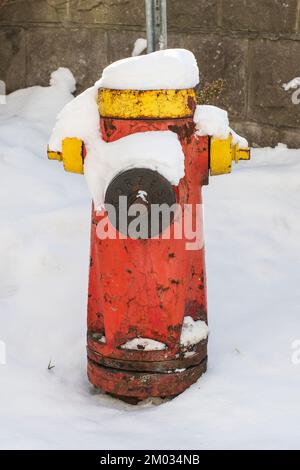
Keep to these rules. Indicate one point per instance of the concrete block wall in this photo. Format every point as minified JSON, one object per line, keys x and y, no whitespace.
{"x":254,"y":45}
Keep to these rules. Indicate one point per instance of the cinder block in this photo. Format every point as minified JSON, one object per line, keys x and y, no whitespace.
{"x":12,"y":58}
{"x":121,"y":43}
{"x":82,"y":50}
{"x":199,"y":14}
{"x":116,"y":12}
{"x":33,"y":11}
{"x":257,"y":134}
{"x":111,"y":12}
{"x":261,"y":135}
{"x":220,"y":57}
{"x":271,"y":64}
{"x":273,"y":16}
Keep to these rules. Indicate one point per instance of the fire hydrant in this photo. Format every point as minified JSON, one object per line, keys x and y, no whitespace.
{"x":146,"y":295}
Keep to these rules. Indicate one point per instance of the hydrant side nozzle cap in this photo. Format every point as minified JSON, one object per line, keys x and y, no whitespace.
{"x":71,"y":155}
{"x":223,"y":152}
{"x":220,"y":156}
{"x":72,"y":150}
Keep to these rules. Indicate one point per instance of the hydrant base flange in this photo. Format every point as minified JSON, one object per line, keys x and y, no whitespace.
{"x":145,"y":364}
{"x":141,"y":385}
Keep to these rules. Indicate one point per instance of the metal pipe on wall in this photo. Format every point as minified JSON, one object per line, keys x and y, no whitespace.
{"x":156,"y":24}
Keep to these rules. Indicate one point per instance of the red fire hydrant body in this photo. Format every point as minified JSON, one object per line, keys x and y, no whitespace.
{"x":145,"y":288}
{"x":147,"y":307}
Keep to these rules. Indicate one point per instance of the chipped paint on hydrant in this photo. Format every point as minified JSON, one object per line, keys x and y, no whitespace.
{"x":145,"y":294}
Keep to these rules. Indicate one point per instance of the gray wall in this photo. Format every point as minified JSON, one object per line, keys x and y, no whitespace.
{"x":254,"y":45}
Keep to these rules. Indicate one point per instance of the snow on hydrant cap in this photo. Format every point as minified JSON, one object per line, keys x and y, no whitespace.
{"x":166,"y":69}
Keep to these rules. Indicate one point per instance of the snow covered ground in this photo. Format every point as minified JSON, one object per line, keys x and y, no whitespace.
{"x":249,"y":397}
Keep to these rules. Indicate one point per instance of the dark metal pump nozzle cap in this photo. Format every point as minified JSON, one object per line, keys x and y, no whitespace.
{"x":135,"y":196}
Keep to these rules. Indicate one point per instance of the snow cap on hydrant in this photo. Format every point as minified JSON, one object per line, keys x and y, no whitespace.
{"x":138,"y":134}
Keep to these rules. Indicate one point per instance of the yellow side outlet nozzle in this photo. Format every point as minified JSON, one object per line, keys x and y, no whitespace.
{"x":223,"y":152}
{"x":71,"y":155}
{"x":54,"y":155}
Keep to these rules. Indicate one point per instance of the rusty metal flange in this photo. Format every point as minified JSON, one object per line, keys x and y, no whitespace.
{"x":141,"y":385}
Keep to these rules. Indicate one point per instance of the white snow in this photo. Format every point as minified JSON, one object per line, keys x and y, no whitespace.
{"x":189,"y":353}
{"x":139,"y":46}
{"x":142,"y":195}
{"x":166,"y":69}
{"x":39,"y":103}
{"x":175,"y":370}
{"x":80,"y":118}
{"x":293,"y":84}
{"x":63,"y":77}
{"x":99,"y":337}
{"x":193,"y":332}
{"x":213,"y":121}
{"x":106,"y":160}
{"x":252,"y":231}
{"x":146,"y":344}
